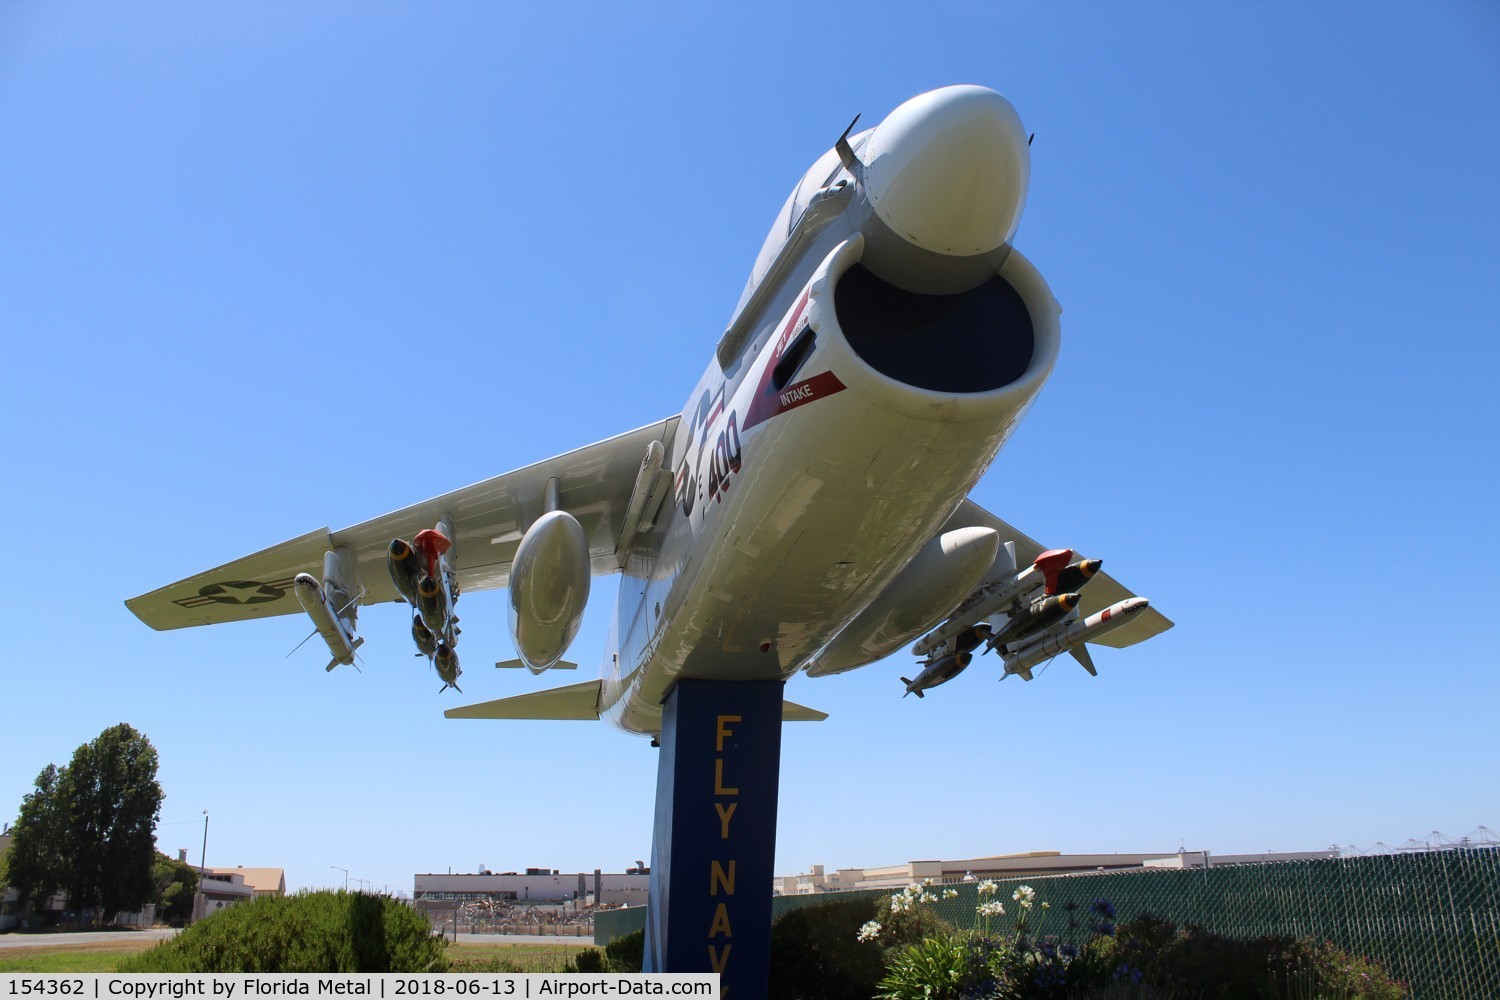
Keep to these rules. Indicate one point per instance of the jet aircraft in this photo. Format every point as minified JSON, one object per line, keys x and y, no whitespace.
{"x":807,"y":510}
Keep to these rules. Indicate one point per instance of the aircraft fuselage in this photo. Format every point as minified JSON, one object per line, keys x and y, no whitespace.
{"x":874,"y":386}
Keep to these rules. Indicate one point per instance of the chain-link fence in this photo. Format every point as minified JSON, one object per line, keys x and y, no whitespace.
{"x":1431,"y":919}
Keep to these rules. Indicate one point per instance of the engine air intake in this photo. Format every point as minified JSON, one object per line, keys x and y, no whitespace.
{"x":974,"y":341}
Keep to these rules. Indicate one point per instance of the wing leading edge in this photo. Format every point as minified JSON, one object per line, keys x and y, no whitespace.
{"x":488,"y":519}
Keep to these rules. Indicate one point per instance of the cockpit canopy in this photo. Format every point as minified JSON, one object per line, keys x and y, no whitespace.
{"x":819,"y":175}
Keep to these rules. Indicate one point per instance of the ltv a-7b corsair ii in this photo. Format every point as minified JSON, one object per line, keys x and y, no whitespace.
{"x":807,"y":510}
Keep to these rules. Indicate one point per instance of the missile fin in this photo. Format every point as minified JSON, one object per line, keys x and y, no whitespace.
{"x":1007,"y":563}
{"x":1080,"y":653}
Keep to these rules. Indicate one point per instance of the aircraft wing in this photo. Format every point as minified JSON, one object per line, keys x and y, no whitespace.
{"x":1102,"y":591}
{"x":488,"y":520}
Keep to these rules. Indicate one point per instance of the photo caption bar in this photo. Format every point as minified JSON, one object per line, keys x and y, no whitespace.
{"x":380,"y":986}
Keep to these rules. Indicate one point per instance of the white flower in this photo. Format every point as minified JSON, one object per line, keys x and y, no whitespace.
{"x":870,"y":931}
{"x":1024,"y":895}
{"x":994,"y":908}
{"x":952,"y":893}
{"x":927,"y":881}
{"x":988,"y":887}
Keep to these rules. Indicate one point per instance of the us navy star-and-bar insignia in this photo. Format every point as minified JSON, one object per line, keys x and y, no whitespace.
{"x":237,"y":592}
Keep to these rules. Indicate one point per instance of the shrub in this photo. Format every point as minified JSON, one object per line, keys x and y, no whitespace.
{"x":308,"y":932}
{"x":625,"y":954}
{"x":816,"y":953}
{"x":1194,"y":960}
{"x":952,"y":966}
{"x":591,"y":960}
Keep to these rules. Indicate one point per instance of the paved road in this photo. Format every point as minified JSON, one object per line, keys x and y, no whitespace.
{"x":162,"y":933}
{"x":15,"y":940}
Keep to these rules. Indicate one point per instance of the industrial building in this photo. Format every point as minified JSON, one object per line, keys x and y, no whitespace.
{"x":536,"y":885}
{"x":1032,"y":863}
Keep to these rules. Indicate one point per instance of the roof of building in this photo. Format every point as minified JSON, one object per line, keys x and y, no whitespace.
{"x":259,"y":879}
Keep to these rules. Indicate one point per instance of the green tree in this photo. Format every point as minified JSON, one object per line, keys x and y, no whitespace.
{"x":34,"y":864}
{"x":112,"y":800}
{"x":89,"y":828}
{"x":176,"y":882}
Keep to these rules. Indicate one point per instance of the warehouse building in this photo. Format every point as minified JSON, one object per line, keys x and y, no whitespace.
{"x":535,"y":886}
{"x":1029,"y":864}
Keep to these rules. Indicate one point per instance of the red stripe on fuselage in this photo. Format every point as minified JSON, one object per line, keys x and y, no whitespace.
{"x":767,"y":402}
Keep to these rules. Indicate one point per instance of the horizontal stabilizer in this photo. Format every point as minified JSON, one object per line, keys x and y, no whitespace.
{"x":576,"y":701}
{"x":517,"y":664}
{"x":793,"y":712}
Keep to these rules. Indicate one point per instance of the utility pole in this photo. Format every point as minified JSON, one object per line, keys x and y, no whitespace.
{"x":200,"y":905}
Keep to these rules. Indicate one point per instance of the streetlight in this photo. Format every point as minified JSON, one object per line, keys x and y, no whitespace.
{"x":363,"y":882}
{"x":346,"y":876}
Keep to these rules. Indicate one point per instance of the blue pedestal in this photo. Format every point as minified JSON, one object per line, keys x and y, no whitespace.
{"x":713,"y":853}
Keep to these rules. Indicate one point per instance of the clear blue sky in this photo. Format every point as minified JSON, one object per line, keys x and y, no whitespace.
{"x":275,"y":266}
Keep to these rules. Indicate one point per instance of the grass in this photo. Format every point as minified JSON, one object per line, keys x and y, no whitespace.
{"x":102,"y":957}
{"x":105,"y":957}
{"x":525,"y":957}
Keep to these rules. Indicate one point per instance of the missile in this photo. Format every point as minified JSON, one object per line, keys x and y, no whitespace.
{"x":996,"y":596}
{"x":402,"y":561}
{"x":423,"y":636}
{"x":1073,"y":577}
{"x":326,"y":620}
{"x":430,"y":603}
{"x":1044,"y":647}
{"x":1032,"y":618}
{"x":940,"y":671}
{"x":445,"y":660}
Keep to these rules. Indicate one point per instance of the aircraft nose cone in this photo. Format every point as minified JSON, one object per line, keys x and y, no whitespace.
{"x":948,"y":170}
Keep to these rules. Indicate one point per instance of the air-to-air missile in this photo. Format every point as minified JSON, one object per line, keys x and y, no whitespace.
{"x":1071,"y":639}
{"x":327,"y":619}
{"x":940,"y":671}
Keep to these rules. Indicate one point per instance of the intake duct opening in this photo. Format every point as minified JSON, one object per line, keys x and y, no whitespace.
{"x":974,"y":341}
